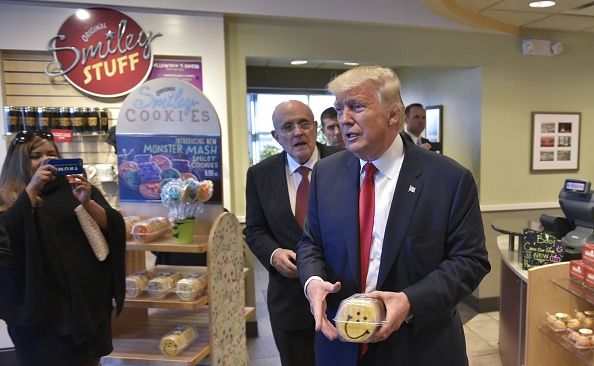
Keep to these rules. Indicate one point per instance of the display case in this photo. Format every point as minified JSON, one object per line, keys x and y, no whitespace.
{"x":549,"y":289}
{"x":220,"y":314}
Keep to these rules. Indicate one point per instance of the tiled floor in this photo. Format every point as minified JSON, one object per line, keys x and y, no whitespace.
{"x":481,"y":332}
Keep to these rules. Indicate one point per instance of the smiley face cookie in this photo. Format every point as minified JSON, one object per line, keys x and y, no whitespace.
{"x":359,"y":317}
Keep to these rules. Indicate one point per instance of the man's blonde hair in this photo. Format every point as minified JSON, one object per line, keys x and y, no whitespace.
{"x":384,"y":79}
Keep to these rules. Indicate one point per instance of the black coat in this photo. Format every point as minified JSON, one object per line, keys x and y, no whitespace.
{"x":53,"y":276}
{"x":270,"y":224}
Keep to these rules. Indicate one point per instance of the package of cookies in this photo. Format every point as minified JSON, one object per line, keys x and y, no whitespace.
{"x":359,"y":317}
{"x":175,"y":341}
{"x":137,"y":282}
{"x":191,"y":286}
{"x":129,"y":221}
{"x":581,"y":338}
{"x":559,"y":321}
{"x":162,"y":284}
{"x":150,"y":229}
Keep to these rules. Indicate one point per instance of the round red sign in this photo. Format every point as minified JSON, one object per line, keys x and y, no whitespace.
{"x":102,"y":52}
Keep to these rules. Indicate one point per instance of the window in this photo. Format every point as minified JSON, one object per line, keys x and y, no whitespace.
{"x":260,"y":108}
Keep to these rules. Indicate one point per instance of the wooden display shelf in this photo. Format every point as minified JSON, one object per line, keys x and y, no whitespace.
{"x":575,"y":288}
{"x":584,"y":356}
{"x":169,"y":302}
{"x":166,"y":244}
{"x":140,"y":340}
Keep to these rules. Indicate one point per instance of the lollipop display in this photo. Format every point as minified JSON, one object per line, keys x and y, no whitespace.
{"x":184,"y":197}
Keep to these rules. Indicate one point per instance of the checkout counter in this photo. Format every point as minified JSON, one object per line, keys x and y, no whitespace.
{"x":577,"y":203}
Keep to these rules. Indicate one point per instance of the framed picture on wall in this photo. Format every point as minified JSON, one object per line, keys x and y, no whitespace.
{"x":555,"y":141}
{"x":434,"y":127}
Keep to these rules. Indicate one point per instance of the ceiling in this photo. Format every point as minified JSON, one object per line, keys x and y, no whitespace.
{"x":513,"y":16}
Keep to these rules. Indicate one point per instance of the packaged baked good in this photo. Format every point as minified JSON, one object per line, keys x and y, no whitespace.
{"x":150,"y":229}
{"x":129,"y":221}
{"x":162,"y":284}
{"x":580,"y":339}
{"x":359,"y":317}
{"x":137,"y":282}
{"x":175,"y":341}
{"x":191,"y":286}
{"x":558,"y":321}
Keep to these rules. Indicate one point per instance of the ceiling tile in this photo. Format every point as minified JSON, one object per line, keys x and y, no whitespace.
{"x":586,"y":11}
{"x":517,"y":18}
{"x":562,"y":5}
{"x":564,"y":22}
{"x":477,"y":4}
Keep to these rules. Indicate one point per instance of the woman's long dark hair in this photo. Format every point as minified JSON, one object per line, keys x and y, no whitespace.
{"x":16,"y":170}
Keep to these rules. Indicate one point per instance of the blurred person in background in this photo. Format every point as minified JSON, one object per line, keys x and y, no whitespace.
{"x":330,"y":128}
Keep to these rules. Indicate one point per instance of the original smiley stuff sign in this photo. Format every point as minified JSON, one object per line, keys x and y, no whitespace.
{"x":102,"y":52}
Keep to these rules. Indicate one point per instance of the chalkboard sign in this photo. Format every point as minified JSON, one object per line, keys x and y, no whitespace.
{"x":539,"y":248}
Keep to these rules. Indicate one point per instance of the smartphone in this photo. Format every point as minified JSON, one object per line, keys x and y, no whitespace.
{"x":67,"y":166}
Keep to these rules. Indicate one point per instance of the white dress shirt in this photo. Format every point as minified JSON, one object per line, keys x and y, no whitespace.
{"x":294,"y":178}
{"x":413,"y":137}
{"x":385,"y":180}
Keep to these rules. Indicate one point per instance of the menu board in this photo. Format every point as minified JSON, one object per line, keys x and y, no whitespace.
{"x":540,"y":248}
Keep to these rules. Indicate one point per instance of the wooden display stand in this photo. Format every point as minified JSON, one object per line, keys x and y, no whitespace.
{"x":221,"y":314}
{"x":550,"y":290}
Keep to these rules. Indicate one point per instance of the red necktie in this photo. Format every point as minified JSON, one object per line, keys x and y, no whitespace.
{"x":366,"y":212}
{"x":301,"y":200}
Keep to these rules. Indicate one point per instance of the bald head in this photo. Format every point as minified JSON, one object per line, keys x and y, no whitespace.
{"x":295,"y":129}
{"x":290,"y":105}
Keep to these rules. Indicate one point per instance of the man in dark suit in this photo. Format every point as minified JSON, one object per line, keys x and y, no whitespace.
{"x":415,"y":121}
{"x":275,"y":212}
{"x":414,"y":218}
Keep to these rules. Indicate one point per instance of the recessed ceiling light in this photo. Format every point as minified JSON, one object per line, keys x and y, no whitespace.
{"x":351,"y":63}
{"x":298,"y":62}
{"x":541,"y":4}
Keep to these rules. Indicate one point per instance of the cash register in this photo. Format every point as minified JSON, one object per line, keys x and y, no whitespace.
{"x":577,"y":203}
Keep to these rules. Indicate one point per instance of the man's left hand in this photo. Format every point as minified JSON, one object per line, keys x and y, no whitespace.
{"x":397,"y":311}
{"x":426,"y":145}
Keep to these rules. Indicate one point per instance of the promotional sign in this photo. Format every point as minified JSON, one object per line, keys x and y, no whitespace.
{"x":102,"y":52}
{"x":189,"y":70}
{"x":539,"y":248}
{"x":167,"y":129}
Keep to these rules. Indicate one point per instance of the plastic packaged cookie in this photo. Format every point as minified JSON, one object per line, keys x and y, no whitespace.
{"x":151,"y":229}
{"x":137,"y":282}
{"x":191,"y":286}
{"x":162,"y":284}
{"x":557,"y":321}
{"x":175,"y":341}
{"x":129,"y":221}
{"x":359,"y":317}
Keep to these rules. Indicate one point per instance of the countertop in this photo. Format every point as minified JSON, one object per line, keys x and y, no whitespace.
{"x":510,"y":258}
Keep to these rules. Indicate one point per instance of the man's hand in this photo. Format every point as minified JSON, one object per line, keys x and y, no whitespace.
{"x":397,"y":310}
{"x":316,"y":294}
{"x":283,"y":260}
{"x":426,"y":145}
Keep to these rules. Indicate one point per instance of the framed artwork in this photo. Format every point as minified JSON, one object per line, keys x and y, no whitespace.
{"x":434,"y":127}
{"x":555,"y":141}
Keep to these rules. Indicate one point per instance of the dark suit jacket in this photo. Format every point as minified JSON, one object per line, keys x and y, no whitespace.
{"x":270,"y":224}
{"x":435,"y":146}
{"x":434,"y":251}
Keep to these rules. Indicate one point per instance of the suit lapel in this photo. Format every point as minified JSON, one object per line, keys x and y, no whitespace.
{"x":350,"y":229}
{"x":279,"y":187}
{"x":408,"y":190}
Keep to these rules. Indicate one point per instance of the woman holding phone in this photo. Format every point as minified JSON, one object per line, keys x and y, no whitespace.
{"x":55,"y":294}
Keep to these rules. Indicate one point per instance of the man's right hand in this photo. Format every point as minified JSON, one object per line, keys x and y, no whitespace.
{"x":283,"y":260}
{"x":316,"y":294}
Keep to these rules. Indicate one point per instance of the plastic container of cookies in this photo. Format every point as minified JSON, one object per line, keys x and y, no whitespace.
{"x":191,"y":286}
{"x":163,"y":284}
{"x":359,"y":317}
{"x":137,"y":283}
{"x":151,"y":229}
{"x":130,"y":221}
{"x":178,"y":339}
{"x":581,"y":338}
{"x":559,"y":321}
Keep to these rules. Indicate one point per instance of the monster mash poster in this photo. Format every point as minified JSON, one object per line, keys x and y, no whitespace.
{"x":167,"y":129}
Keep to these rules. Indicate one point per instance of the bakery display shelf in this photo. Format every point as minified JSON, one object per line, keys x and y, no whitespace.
{"x":171,"y":301}
{"x":575,"y":288}
{"x":166,"y":244}
{"x":140,"y":340}
{"x":584,"y":357}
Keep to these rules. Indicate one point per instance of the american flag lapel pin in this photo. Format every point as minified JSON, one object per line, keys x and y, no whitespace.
{"x":412,"y":189}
